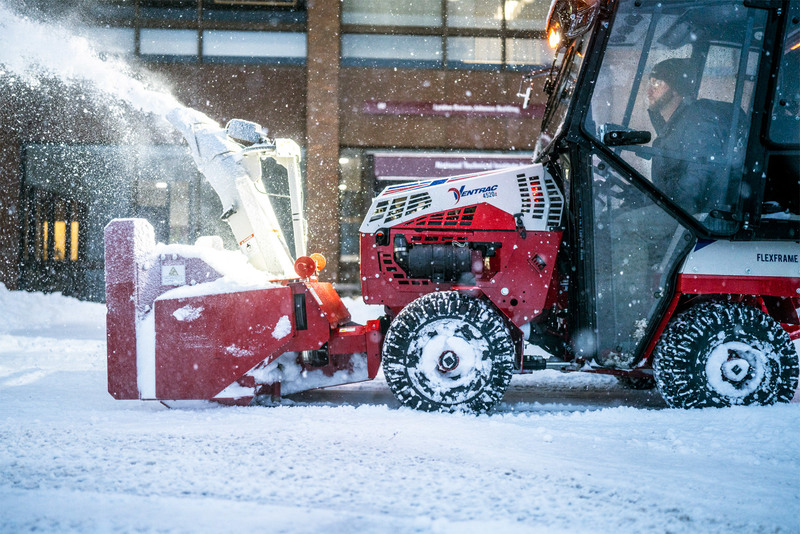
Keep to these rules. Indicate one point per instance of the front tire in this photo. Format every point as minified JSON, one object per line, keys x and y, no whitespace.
{"x":448,"y":352}
{"x":718,"y":354}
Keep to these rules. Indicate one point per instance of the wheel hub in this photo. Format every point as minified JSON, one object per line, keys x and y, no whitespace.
{"x":735,"y":369}
{"x":448,"y":361}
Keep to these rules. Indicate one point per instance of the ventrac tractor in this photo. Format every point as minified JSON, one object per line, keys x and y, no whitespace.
{"x":666,"y":256}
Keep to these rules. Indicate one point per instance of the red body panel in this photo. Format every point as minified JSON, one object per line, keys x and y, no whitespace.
{"x":517,"y":279}
{"x":738,"y":285}
{"x":197,"y":359}
{"x":330,"y":303}
{"x":356,"y":339}
{"x":122,"y":272}
{"x":319,"y":323}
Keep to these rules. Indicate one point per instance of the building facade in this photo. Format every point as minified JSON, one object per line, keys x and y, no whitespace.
{"x":374,"y":91}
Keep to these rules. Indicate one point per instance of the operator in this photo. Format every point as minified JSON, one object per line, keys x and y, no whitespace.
{"x":689,"y":164}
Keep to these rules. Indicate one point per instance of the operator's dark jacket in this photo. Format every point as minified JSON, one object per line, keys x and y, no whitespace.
{"x":691,"y":162}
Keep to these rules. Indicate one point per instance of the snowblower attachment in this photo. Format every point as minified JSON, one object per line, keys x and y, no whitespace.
{"x":230,"y":159}
{"x":192,"y":322}
{"x":195,"y":322}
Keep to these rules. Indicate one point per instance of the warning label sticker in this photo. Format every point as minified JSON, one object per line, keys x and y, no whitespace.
{"x":246,"y":239}
{"x":173,"y":275}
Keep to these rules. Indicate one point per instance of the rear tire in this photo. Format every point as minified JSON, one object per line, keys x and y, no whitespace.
{"x":448,"y":352}
{"x":719,"y":354}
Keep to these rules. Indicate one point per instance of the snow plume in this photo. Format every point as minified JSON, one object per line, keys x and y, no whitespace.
{"x":33,"y":50}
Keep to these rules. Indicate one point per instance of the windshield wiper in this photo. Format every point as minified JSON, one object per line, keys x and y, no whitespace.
{"x":528,"y":80}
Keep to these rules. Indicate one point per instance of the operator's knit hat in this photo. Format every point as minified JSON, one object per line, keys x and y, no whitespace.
{"x":678,"y":73}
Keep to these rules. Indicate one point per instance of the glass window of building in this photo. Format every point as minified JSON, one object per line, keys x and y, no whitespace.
{"x":526,"y":14}
{"x":392,"y":50}
{"x":184,"y":10}
{"x":231,"y":45}
{"x":272,"y":11}
{"x":525,"y":53}
{"x":231,"y":31}
{"x":111,"y":40}
{"x":168,"y":44}
{"x":478,"y":34}
{"x":424,"y":13}
{"x":474,"y":52}
{"x":474,"y":14}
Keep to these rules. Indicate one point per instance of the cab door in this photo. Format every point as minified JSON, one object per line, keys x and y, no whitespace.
{"x":646,"y":199}
{"x":636,"y":246}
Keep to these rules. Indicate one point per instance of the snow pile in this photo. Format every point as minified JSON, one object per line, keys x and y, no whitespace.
{"x":188,"y":313}
{"x":47,"y":334}
{"x":361,"y":312}
{"x":294,"y":378}
{"x":40,"y":312}
{"x":283,"y":328}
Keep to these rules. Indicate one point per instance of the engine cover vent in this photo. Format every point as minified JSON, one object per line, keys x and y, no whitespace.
{"x":541,"y":199}
{"x":400,"y":207}
{"x":456,"y":218}
{"x":556,"y":209}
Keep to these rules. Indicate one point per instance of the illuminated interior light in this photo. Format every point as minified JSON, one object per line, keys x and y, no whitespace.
{"x":161,"y":185}
{"x":59,"y":240}
{"x":73,"y":241}
{"x":511,"y":9}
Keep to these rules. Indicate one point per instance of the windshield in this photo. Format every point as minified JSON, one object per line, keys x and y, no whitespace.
{"x":567,"y":66}
{"x":673,"y":99}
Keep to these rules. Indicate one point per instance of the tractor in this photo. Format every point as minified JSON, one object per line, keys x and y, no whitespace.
{"x":655,"y":237}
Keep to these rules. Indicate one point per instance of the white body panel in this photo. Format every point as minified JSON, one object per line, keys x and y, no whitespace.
{"x":528,"y":191}
{"x":744,"y":258}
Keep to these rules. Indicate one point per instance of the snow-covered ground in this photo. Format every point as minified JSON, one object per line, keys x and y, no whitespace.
{"x":563,"y":453}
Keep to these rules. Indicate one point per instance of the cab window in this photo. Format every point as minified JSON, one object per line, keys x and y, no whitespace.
{"x":673,"y":99}
{"x":785,"y":125}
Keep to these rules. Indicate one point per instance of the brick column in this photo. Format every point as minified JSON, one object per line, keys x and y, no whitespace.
{"x":10,"y":206}
{"x":322,"y":131}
